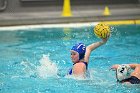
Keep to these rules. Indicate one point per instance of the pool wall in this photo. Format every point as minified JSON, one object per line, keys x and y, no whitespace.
{"x":29,"y":12}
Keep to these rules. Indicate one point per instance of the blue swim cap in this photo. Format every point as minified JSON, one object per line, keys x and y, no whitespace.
{"x":81,"y":49}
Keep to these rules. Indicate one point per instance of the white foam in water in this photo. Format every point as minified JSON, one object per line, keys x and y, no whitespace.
{"x":47,"y":68}
{"x":29,"y":68}
{"x":88,"y":76}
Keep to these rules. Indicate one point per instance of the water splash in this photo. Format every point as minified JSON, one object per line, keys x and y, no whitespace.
{"x":29,"y":68}
{"x":88,"y":76}
{"x":47,"y":68}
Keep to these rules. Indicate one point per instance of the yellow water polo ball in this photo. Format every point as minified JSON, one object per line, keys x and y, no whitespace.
{"x":102,"y":30}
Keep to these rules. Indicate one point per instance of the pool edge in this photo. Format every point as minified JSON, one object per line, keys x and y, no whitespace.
{"x":121,"y":22}
{"x":70,"y":25}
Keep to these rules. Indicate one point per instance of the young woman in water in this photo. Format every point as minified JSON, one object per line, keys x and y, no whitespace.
{"x":80,"y":57}
{"x":123,"y":70}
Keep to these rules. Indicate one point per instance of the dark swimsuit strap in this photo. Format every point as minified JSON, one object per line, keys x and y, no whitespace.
{"x":84,"y":63}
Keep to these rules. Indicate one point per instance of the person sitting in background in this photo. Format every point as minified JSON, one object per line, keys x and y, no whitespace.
{"x":125,"y":75}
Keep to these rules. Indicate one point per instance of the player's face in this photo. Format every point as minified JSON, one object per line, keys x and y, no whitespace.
{"x":74,"y":56}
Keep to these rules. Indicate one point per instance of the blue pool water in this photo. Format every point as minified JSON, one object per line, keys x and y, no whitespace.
{"x":37,"y":60}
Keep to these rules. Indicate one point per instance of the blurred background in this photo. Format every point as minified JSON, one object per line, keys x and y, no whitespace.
{"x":21,"y":12}
{"x":36,"y":58}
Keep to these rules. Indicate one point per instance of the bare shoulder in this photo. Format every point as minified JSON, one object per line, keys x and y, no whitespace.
{"x":79,"y":68}
{"x":80,"y":64}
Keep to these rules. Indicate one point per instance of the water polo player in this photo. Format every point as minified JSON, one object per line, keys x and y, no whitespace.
{"x":80,"y":53}
{"x":125,"y":75}
{"x":80,"y":57}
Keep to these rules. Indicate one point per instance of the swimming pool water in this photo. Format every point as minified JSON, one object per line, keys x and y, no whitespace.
{"x":22,"y":51}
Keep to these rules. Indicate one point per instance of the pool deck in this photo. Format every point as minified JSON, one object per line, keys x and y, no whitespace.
{"x":80,"y":14}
